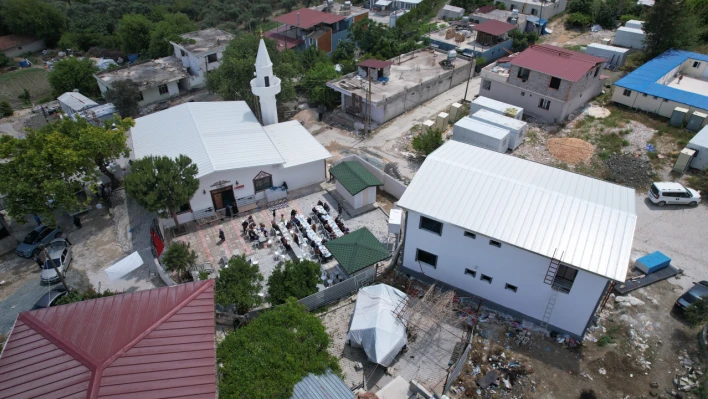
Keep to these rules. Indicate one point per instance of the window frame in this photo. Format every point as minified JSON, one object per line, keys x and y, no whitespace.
{"x":486,"y":279}
{"x":511,"y":287}
{"x":420,"y":225}
{"x":523,"y":73}
{"x":597,"y":71}
{"x":547,"y":103}
{"x":563,"y":281}
{"x":470,"y":234}
{"x":183,"y":53}
{"x":470,"y":272}
{"x":627,"y":93}
{"x":209,"y":58}
{"x":486,"y":85}
{"x":495,"y":243}
{"x":262,"y":176}
{"x":161,"y":87}
{"x":550,"y":83}
{"x":696,"y":64}
{"x":417,"y":257}
{"x":141,"y":97}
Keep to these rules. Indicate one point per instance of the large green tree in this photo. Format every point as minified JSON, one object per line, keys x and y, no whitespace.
{"x":232,"y":81}
{"x":239,"y":284}
{"x":134,"y":31}
{"x":46,"y":169}
{"x":163,"y":184}
{"x":169,"y":30}
{"x":33,"y":18}
{"x":315,"y":83}
{"x":669,"y":24}
{"x":178,"y":258}
{"x":266,"y":358}
{"x":124,"y":95}
{"x":294,"y":279}
{"x":73,"y":73}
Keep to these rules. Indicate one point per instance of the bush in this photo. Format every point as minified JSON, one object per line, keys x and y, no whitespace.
{"x":697,"y":312}
{"x":428,"y":141}
{"x":625,"y":18}
{"x":4,"y":60}
{"x":79,"y":296}
{"x":699,"y":181}
{"x":293,"y":279}
{"x":5,"y":109}
{"x":580,"y":7}
{"x":178,"y":258}
{"x":578,"y":20}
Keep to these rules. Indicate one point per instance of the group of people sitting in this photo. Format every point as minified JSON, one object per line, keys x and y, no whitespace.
{"x":251,"y":229}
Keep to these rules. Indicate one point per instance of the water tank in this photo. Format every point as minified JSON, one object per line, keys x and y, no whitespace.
{"x":515,"y":13}
{"x":451,"y":55}
{"x":465,"y":20}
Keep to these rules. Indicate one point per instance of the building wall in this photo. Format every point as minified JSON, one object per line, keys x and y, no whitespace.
{"x":33,"y":47}
{"x":324,"y":42}
{"x":507,"y":264}
{"x":688,"y":69}
{"x":629,"y":39}
{"x":648,"y":103}
{"x":353,"y":200}
{"x":529,"y":101}
{"x":614,"y":57}
{"x":198,"y":64}
{"x":338,"y":37}
{"x":539,"y":83}
{"x":549,"y":10}
{"x":578,"y":99}
{"x":152,"y":94}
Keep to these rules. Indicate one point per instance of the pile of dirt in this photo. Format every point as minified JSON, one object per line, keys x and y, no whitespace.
{"x":570,"y":150}
{"x":629,"y":170}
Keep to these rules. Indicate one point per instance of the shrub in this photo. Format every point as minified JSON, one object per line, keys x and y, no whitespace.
{"x":428,"y":141}
{"x":239,"y":284}
{"x":178,"y":258}
{"x":578,"y":20}
{"x":293,"y":279}
{"x":699,"y":181}
{"x":79,"y":296}
{"x":5,"y":109}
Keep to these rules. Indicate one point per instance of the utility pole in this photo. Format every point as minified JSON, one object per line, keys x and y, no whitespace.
{"x":474,"y":64}
{"x":51,"y":261}
{"x":367,"y":120}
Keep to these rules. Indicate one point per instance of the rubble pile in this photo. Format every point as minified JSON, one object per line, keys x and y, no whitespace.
{"x":688,"y":381}
{"x":628,"y":170}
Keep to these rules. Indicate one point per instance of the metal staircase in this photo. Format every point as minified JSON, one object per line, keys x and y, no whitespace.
{"x":548,"y":279}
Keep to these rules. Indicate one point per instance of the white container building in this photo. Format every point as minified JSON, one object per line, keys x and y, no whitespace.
{"x":634,"y":24}
{"x":699,"y":143}
{"x":629,"y":37}
{"x":515,"y":126}
{"x":499,"y":107}
{"x":615,"y":56}
{"x":474,"y":132}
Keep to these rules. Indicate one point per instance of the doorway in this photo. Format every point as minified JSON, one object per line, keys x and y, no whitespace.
{"x":223,"y":197}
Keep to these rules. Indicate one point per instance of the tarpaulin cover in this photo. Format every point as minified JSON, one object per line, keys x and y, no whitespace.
{"x":124,"y":266}
{"x":374,"y":325}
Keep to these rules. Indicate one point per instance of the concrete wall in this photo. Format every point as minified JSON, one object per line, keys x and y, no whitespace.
{"x":507,"y":264}
{"x":152,"y":94}
{"x":529,"y":101}
{"x":338,"y":37}
{"x":33,"y":47}
{"x":648,"y":103}
{"x":496,"y":52}
{"x":539,"y":83}
{"x":550,"y":9}
{"x":688,"y":69}
{"x":391,"y":185}
{"x":199,"y":65}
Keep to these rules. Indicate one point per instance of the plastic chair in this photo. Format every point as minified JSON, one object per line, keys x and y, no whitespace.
{"x":276,"y":255}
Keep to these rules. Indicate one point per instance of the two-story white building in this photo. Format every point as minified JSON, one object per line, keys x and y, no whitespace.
{"x":201,"y":52}
{"x":538,"y":242}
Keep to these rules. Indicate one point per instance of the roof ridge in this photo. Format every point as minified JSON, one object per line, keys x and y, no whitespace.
{"x":267,"y":133}
{"x":94,"y":384}
{"x":201,"y":137}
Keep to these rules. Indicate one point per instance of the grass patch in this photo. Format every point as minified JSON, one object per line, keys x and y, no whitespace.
{"x":532,"y":137}
{"x":610,"y":144}
{"x":576,"y":47}
{"x":13,"y":83}
{"x":610,"y":337}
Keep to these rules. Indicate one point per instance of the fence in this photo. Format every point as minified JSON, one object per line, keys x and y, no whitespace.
{"x":451,"y":377}
{"x":340,"y":290}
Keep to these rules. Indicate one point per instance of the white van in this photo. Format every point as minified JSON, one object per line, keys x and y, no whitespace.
{"x":662,"y":193}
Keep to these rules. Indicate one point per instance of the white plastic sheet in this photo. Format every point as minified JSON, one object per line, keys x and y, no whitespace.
{"x":124,"y":266}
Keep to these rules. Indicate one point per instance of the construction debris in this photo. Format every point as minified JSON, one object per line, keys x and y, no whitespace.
{"x":570,"y":150}
{"x":489,"y":379}
{"x":628,"y":170}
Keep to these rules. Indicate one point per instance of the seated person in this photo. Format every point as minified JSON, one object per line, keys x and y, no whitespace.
{"x":326,"y":207}
{"x":252,"y":235}
{"x":296,"y":238}
{"x":297,"y":221}
{"x":313,"y":244}
{"x":285,"y":243}
{"x":309,"y":220}
{"x":320,"y":203}
{"x":293,"y":213}
{"x":313,"y":227}
{"x":314,"y":211}
{"x":329,"y":229}
{"x":317,"y":251}
{"x":250,"y":219}
{"x":289,"y":225}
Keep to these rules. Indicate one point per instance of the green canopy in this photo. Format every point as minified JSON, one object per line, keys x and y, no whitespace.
{"x":354,"y":177}
{"x":357,"y":250}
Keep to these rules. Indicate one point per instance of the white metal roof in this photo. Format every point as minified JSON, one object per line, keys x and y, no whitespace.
{"x":217,"y":136}
{"x":613,"y":49}
{"x":76,"y":101}
{"x":701,"y":138}
{"x":480,"y":127}
{"x":295,"y":144}
{"x":529,"y":205}
{"x":494,"y":104}
{"x":485,"y":115}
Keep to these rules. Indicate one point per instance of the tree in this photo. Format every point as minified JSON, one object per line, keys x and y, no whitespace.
{"x":50,"y":165}
{"x":125,"y":95}
{"x":661,"y":24}
{"x":4,"y":60}
{"x":293,"y":279}
{"x":239,"y":284}
{"x":25,"y":97}
{"x":34,"y":18}
{"x":605,"y":14}
{"x":266,"y":358}
{"x":178,"y":258}
{"x":162,"y":184}
{"x":169,"y":30}
{"x":5,"y":109}
{"x":262,"y":11}
{"x":79,"y":296}
{"x":232,"y":81}
{"x":580,"y":6}
{"x":288,"y":5}
{"x":427,"y":141}
{"x":697,"y":312}
{"x":577,"y":20}
{"x":134,"y":32}
{"x":315,"y":83}
{"x":73,"y":73}
{"x":345,"y":52}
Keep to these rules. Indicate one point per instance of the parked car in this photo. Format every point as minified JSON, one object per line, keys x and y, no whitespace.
{"x":662,"y":193}
{"x":60,"y":253}
{"x":49,"y":299}
{"x":700,"y":289}
{"x":29,"y":247}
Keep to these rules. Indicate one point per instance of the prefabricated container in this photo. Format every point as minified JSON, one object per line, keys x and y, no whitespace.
{"x":481,"y":134}
{"x":695,"y":122}
{"x":496,"y":107}
{"x":684,"y":160}
{"x":615,"y":56}
{"x":634,"y":24}
{"x":699,"y":143}
{"x":629,"y":37}
{"x":678,"y":116}
{"x":515,"y":126}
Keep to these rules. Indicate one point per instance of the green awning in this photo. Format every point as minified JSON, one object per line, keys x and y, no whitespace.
{"x":357,"y":250}
{"x":354,"y":177}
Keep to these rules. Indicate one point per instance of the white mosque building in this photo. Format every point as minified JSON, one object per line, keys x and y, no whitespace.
{"x":242,"y":163}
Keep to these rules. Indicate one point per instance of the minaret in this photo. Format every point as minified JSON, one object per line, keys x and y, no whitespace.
{"x":266,"y":86}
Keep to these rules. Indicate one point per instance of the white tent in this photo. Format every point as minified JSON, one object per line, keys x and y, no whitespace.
{"x":374,"y":325}
{"x":124,"y":266}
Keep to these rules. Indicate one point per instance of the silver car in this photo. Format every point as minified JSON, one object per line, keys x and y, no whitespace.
{"x":60,"y":253}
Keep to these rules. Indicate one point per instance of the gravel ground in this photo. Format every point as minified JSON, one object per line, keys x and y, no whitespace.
{"x":629,"y":171}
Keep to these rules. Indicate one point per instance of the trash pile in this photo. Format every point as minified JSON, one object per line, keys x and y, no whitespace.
{"x":690,"y":379}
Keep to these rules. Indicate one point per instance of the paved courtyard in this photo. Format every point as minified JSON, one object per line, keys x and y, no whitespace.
{"x":205,"y":240}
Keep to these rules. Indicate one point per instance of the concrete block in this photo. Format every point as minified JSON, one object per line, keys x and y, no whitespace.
{"x":455,"y":109}
{"x":428,"y":124}
{"x":441,"y":121}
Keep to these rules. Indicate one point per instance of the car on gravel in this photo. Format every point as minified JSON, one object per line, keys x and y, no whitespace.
{"x":669,"y":193}
{"x":699,"y":290}
{"x":41,"y":235}
{"x":60,"y":253}
{"x":49,"y":299}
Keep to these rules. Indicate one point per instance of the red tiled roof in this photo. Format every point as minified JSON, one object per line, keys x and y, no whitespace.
{"x":485,"y":9}
{"x":154,"y":343}
{"x":556,"y":61}
{"x":9,"y":41}
{"x":283,"y":40}
{"x":308,"y":18}
{"x":494,"y":27}
{"x":372,"y":63}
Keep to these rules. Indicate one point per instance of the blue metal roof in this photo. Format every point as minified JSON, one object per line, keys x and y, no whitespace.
{"x":644,"y":79}
{"x":325,"y":386}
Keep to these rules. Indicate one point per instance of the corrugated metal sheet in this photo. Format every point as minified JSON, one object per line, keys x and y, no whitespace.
{"x":129,"y":345}
{"x":217,"y":136}
{"x":76,"y":101}
{"x":644,"y":79}
{"x":494,"y":27}
{"x":295,"y":144}
{"x":556,"y":61}
{"x":528,"y":205}
{"x":325,"y":386}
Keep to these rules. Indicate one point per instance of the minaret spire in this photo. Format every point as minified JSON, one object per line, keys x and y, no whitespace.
{"x":266,"y":85}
